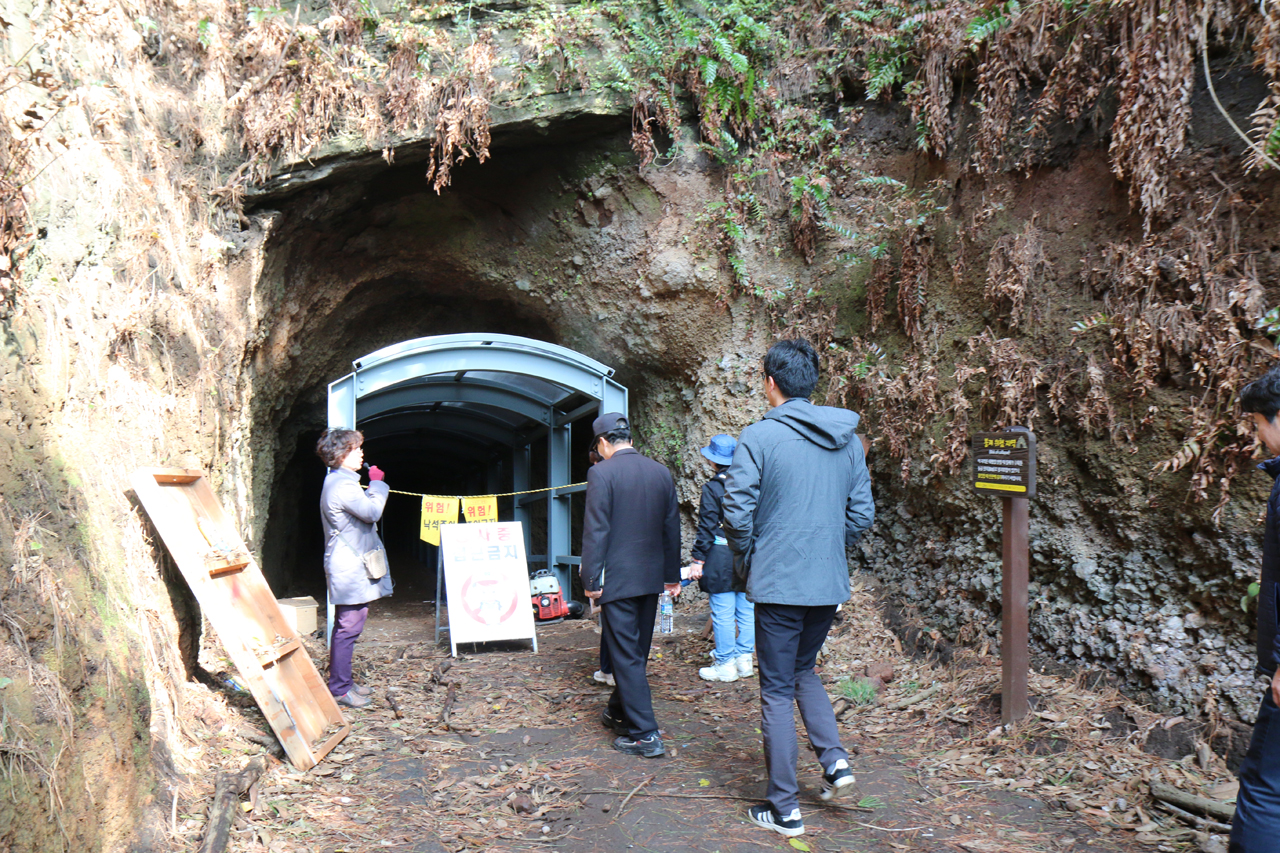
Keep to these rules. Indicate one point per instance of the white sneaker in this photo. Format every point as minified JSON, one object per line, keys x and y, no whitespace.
{"x":743,"y":662}
{"x":727,"y":671}
{"x":602,"y":677}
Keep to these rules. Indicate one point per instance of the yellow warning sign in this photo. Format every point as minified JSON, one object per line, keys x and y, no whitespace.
{"x":435,"y":512}
{"x":483,"y":508}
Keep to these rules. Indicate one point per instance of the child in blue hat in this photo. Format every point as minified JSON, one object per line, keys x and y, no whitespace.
{"x":733,"y":617}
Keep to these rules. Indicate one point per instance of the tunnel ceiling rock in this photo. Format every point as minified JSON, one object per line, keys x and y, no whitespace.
{"x":547,"y":117}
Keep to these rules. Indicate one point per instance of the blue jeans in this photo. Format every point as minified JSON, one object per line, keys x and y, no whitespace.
{"x":1257,"y":821}
{"x":730,"y":610}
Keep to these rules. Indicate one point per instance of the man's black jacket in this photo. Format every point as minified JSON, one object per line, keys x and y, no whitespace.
{"x":1268,"y":595}
{"x":632,"y":526}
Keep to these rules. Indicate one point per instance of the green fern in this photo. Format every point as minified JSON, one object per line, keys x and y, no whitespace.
{"x":840,"y":230}
{"x":981,"y":29}
{"x":709,"y":69}
{"x":884,"y":74}
{"x":881,"y":181}
{"x":1272,"y":143}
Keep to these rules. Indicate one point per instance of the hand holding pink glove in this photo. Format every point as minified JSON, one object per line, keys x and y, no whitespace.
{"x":375,"y":473}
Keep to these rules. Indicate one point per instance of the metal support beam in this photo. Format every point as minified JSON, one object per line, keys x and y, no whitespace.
{"x":405,"y":390}
{"x":420,"y":394}
{"x":583,"y":410}
{"x":460,"y":354}
{"x":614,"y":399}
{"x":457,"y":422}
{"x":342,"y":403}
{"x":521,"y":476}
{"x":559,"y":522}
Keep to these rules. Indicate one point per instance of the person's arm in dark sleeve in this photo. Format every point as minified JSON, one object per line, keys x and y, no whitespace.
{"x":595,"y":529}
{"x":366,"y":505}
{"x":741,"y":495}
{"x":671,"y":537}
{"x":860,"y":508}
{"x":709,"y":512}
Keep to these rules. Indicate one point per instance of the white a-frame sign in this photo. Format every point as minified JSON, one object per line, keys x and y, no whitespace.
{"x":487,"y":577}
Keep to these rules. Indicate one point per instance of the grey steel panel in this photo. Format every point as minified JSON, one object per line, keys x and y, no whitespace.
{"x":402,"y":396}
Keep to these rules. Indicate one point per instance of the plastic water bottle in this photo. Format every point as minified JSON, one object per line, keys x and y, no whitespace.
{"x":666,"y":613}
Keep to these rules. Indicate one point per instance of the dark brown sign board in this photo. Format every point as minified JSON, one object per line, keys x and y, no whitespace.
{"x":1004,"y":465}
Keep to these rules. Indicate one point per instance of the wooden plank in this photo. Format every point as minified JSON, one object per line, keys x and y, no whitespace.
{"x":1014,"y":654}
{"x":274,"y":654}
{"x":217,"y":567}
{"x":178,"y":475}
{"x":324,"y":749}
{"x":233,"y":594}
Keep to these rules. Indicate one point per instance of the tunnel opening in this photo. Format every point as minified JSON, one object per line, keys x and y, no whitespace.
{"x":544,"y":242}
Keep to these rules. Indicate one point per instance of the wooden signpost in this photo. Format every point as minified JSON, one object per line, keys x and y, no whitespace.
{"x":1004,"y":465}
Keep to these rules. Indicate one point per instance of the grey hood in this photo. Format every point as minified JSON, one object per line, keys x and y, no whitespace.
{"x":828,"y":427}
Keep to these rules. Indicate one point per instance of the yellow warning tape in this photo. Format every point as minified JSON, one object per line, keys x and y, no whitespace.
{"x":498,"y":495}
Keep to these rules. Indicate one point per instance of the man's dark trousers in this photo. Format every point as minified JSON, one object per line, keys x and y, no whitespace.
{"x":788,"y":638}
{"x":1256,"y":826}
{"x":628,"y":632}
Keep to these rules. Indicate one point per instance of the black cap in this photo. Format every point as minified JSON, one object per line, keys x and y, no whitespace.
{"x":603,"y":424}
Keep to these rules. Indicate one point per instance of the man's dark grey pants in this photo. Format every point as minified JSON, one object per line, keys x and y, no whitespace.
{"x":788,"y":638}
{"x":1256,"y":826}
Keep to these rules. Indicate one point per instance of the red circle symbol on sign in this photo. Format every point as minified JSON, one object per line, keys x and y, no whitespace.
{"x":487,"y":600}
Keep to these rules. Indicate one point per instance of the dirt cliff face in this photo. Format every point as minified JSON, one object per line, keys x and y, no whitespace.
{"x":220,"y":210}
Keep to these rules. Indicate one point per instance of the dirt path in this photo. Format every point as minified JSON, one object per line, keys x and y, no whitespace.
{"x":523,"y":763}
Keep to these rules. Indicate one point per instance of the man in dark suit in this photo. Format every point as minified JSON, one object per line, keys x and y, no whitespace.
{"x":630,"y":553}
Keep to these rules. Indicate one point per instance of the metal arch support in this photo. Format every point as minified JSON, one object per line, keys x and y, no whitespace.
{"x":614,"y":398}
{"x":411,"y":420}
{"x":463,"y":353}
{"x":475,"y":392}
{"x":559,"y":521}
{"x":467,"y":448}
{"x":342,"y":403}
{"x":390,"y":387}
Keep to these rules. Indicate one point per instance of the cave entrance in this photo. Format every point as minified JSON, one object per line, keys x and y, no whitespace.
{"x":477,"y":407}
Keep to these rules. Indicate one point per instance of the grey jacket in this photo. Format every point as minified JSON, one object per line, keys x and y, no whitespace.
{"x":349,"y":515}
{"x":798,"y":494}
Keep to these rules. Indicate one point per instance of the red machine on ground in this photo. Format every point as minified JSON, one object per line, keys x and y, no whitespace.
{"x":548,"y":600}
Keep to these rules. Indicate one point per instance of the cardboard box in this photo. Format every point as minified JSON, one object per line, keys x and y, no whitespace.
{"x":300,"y":613}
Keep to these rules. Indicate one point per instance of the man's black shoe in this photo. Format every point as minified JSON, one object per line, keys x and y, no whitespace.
{"x":649,"y":747}
{"x":618,"y":727}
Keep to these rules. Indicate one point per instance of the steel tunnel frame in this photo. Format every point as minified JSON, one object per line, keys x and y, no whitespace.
{"x":472,"y":386}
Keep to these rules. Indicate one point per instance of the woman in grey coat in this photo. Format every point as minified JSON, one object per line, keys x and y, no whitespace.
{"x":350,"y":515}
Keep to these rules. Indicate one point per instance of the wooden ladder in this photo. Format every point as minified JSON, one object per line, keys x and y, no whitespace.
{"x":234,"y":595}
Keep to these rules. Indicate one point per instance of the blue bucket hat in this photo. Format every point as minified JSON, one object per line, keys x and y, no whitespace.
{"x":720,"y":449}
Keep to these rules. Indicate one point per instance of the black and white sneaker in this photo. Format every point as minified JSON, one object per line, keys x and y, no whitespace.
{"x":764,"y":815}
{"x":837,"y":781}
{"x":649,"y":747}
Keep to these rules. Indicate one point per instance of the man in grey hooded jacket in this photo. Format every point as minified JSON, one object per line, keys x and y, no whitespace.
{"x":798,"y":493}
